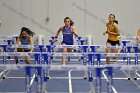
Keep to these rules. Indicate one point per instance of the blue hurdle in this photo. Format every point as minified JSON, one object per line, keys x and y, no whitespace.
{"x":90,"y":62}
{"x":40,"y":75}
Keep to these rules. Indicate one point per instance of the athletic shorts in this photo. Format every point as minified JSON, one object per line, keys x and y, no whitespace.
{"x":23,"y":50}
{"x":67,"y":43}
{"x":114,"y":43}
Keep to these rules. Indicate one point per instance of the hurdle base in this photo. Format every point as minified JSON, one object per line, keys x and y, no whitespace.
{"x":129,"y":78}
{"x":85,"y":77}
{"x":90,"y":79}
{"x":4,"y":77}
{"x":135,"y":78}
{"x":48,"y":77}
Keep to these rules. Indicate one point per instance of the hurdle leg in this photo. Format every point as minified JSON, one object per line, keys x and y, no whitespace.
{"x":80,"y":58}
{"x":28,"y":75}
{"x":85,"y":63}
{"x":3,"y":73}
{"x":90,"y":77}
{"x":4,"y":60}
{"x":9,"y":59}
{"x":5,"y":70}
{"x":85,"y":74}
{"x":136,"y":63}
{"x":85,"y":59}
{"x":51,"y":59}
{"x":44,"y":88}
{"x":136,"y":49}
{"x":36,"y":62}
{"x":40,"y":59}
{"x":79,"y":49}
{"x":129,"y":71}
{"x":91,"y":62}
{"x":50,"y":49}
{"x":98,"y":59}
{"x":17,"y":59}
{"x":124,"y":50}
{"x":49,"y":62}
{"x":110,"y":81}
{"x":98,"y":80}
{"x":39,"y":80}
{"x":46,"y":62}
{"x":135,"y":77}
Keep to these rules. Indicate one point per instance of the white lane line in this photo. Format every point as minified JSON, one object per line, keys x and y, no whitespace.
{"x":70,"y":81}
{"x":32,"y":80}
{"x":44,"y":88}
{"x":3,"y":72}
{"x":67,"y":78}
{"x":116,"y":78}
{"x":92,"y":88}
{"x":17,"y":77}
{"x":113,"y":88}
{"x":5,"y":75}
{"x":137,"y":74}
{"x":132,"y":80}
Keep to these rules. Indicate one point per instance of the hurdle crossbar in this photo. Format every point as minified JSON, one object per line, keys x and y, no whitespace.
{"x":69,"y":67}
{"x":69,"y":54}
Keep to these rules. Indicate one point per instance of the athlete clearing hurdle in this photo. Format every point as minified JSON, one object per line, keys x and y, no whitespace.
{"x":68,"y":30}
{"x":25,"y":38}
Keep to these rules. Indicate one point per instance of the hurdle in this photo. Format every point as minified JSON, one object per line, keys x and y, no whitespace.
{"x":99,"y":55}
{"x":37,"y":73}
{"x":78,"y":40}
{"x":9,"y":42}
{"x":93,"y":49}
{"x":86,"y":48}
{"x":125,"y":40}
{"x":37,"y":55}
{"x":90,"y":60}
{"x":68,"y":68}
{"x":39,"y":85}
{"x":83,"y":57}
{"x":129,"y":55}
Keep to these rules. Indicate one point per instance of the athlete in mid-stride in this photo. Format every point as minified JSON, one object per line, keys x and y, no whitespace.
{"x":138,"y":36}
{"x":68,"y":31}
{"x":113,"y":33}
{"x":25,"y":38}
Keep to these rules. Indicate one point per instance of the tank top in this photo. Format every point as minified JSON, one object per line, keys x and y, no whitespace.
{"x":111,"y":28}
{"x":25,"y":42}
{"x":67,"y":35}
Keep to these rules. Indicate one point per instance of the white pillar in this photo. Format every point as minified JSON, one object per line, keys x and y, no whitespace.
{"x":40,"y":39}
{"x":89,"y":39}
